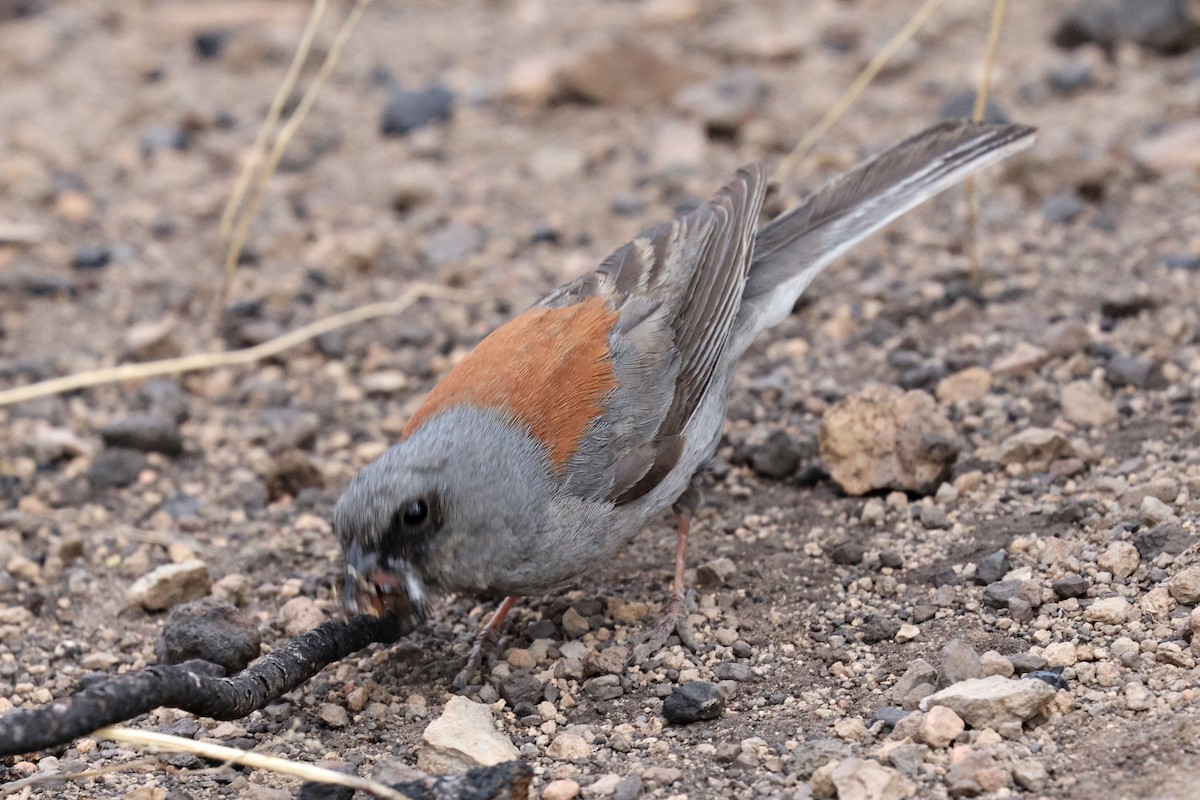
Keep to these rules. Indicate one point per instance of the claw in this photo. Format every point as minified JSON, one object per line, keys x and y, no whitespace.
{"x":673,"y":622}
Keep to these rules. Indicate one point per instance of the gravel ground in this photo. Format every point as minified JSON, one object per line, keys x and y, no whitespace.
{"x":1024,"y":623}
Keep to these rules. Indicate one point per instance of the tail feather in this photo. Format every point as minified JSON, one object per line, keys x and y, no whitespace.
{"x":791,"y":250}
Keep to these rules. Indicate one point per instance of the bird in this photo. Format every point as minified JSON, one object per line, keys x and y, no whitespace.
{"x":558,"y":438}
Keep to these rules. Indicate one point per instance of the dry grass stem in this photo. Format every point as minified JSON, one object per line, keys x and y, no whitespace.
{"x":242,"y":229}
{"x":249,"y":355}
{"x":978,"y":113}
{"x":838,"y":110}
{"x":155,"y":741}
{"x":266,"y":131}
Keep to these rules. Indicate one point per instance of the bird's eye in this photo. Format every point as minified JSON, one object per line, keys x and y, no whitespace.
{"x":415,"y":513}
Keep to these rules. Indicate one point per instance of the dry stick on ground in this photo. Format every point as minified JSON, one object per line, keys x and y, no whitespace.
{"x":860,"y":83}
{"x":978,"y":113}
{"x":249,"y":355}
{"x":242,"y":229}
{"x":193,"y":686}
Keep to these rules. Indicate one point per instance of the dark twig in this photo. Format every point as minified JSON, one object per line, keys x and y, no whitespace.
{"x":193,"y":686}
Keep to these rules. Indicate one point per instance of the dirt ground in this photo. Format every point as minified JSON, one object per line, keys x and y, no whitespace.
{"x":123,"y":126}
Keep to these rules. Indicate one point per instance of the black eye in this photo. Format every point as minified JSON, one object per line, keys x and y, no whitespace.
{"x":415,"y":513}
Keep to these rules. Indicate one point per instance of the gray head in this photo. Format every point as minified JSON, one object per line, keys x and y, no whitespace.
{"x":448,"y":508}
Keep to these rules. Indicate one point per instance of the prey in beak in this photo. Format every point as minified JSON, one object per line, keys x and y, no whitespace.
{"x":382,"y":587}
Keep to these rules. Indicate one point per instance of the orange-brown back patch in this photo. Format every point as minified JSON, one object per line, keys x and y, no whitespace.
{"x":549,"y":369}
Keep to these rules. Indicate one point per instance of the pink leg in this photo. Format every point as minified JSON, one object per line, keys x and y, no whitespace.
{"x":485,"y":640}
{"x":675,"y":620}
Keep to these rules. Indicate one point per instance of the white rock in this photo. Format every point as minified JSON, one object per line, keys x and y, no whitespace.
{"x":1119,"y":558}
{"x":1083,"y":405}
{"x":1185,"y":585}
{"x":462,"y":738}
{"x":1061,"y":654}
{"x":993,"y":701}
{"x":859,"y":779}
{"x":604,"y":786}
{"x":1138,"y":697}
{"x":1036,"y":448}
{"x":1158,"y":602}
{"x":1155,"y":512}
{"x":564,"y":789}
{"x":907,"y":633}
{"x":569,"y":747}
{"x":1110,"y":611}
{"x":940,"y":727}
{"x":170,"y":585}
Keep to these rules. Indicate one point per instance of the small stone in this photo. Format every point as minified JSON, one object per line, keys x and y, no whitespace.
{"x":919,"y":673}
{"x":725,"y":104}
{"x":574,"y":624}
{"x":716,"y":573}
{"x":850,"y":730}
{"x":521,"y":688}
{"x":1110,"y":611}
{"x":1168,"y":538}
{"x":148,"y":433}
{"x":1069,"y":585}
{"x":777,"y":457}
{"x":1140,"y":373}
{"x":1155,"y":512}
{"x":1024,"y":663}
{"x":1138,"y":697}
{"x":1184,"y":585}
{"x":859,"y":779}
{"x":965,"y":385}
{"x":1157,"y":602}
{"x":334,"y":716}
{"x":291,"y":472}
{"x":1036,"y":448}
{"x":91,"y":256}
{"x":993,"y":701}
{"x":604,"y":786}
{"x":562,"y":789}
{"x":116,"y":467}
{"x":1119,"y":558}
{"x":1071,"y":77}
{"x":569,"y":747}
{"x":1163,"y":26}
{"x":1030,"y":775}
{"x":462,"y":738}
{"x":934,"y":518}
{"x":623,"y":75}
{"x":407,"y":110}
{"x":630,"y":787}
{"x":693,"y":701}
{"x":848,"y":553}
{"x":733,"y":671}
{"x":907,"y":632}
{"x":884,"y":437}
{"x":940,"y":726}
{"x":960,"y":662}
{"x":1024,"y":359}
{"x":170,"y":585}
{"x":879,"y":629}
{"x":1063,"y":207}
{"x":992,"y":568}
{"x":212,"y":631}
{"x":995,"y":664}
{"x":1083,"y":405}
{"x":1060,"y":654}
{"x":609,"y":661}
{"x":300,"y":615}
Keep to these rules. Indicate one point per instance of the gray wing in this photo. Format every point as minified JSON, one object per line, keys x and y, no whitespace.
{"x":678,"y":287}
{"x":794,"y":247}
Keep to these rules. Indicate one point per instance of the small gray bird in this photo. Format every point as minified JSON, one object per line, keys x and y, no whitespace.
{"x":554,"y":441}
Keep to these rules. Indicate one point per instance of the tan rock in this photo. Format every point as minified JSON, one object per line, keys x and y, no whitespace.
{"x":1083,"y":405}
{"x":462,"y":738}
{"x":884,"y":437}
{"x":971,"y":383}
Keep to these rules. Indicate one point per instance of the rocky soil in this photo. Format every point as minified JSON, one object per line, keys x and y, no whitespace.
{"x":1010,"y":613}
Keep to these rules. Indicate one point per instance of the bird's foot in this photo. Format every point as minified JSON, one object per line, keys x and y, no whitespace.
{"x":673,"y":622}
{"x":483,"y":646}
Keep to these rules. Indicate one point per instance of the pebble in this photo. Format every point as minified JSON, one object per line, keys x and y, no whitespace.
{"x":210,"y":630}
{"x":1069,"y":585}
{"x":462,"y":738}
{"x":91,"y":256}
{"x":521,"y":688}
{"x":148,"y":433}
{"x":623,"y":75}
{"x":1163,"y":26}
{"x":116,"y":467}
{"x":692,"y":702}
{"x":170,"y":585}
{"x":604,"y":786}
{"x":962,"y":106}
{"x":1184,"y":585}
{"x":1030,"y":775}
{"x":864,"y":779}
{"x":716,"y":573}
{"x":1155,"y":512}
{"x":1063,"y":207}
{"x":940,"y":726}
{"x":1036,"y":448}
{"x":1119,"y":558}
{"x":848,"y":553}
{"x":409,"y":110}
{"x":992,"y":568}
{"x":562,"y":789}
{"x":1060,"y":654}
{"x":300,"y":615}
{"x":993,"y":701}
{"x":1071,"y":77}
{"x":995,"y":664}
{"x":569,"y":747}
{"x":1083,"y":405}
{"x":334,"y":715}
{"x":884,"y":437}
{"x":630,"y":787}
{"x":777,"y":457}
{"x":1137,"y":697}
{"x":1110,"y":611}
{"x":960,"y":662}
{"x":574,"y":624}
{"x":1140,"y":373}
{"x":972,"y":383}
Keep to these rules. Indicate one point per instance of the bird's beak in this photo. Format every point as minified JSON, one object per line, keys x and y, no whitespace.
{"x":382,"y":587}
